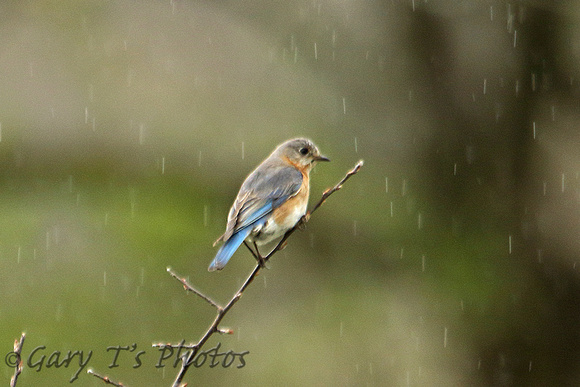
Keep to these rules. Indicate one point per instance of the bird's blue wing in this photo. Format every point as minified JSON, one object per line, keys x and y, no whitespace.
{"x":228,"y":249}
{"x":263,"y":191}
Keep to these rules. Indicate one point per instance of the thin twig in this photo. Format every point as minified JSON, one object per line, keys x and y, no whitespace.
{"x":104,"y":378}
{"x":18,"y":353}
{"x":332,"y":190}
{"x":190,"y":288}
{"x":221,"y":312}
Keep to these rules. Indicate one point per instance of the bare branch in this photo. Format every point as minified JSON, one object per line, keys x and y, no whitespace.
{"x":104,"y":378}
{"x":18,"y":353}
{"x":190,"y":288}
{"x":332,"y":190}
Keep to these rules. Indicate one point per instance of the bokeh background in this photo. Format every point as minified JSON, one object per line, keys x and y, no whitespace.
{"x":451,"y":259}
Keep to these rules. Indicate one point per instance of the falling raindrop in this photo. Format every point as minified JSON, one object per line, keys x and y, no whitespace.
{"x":142,"y":276}
{"x":553,"y":110}
{"x":534,"y":129}
{"x":162,"y":165}
{"x":533,"y":82}
{"x":402,"y":253}
{"x":515,"y":37}
{"x":341,"y":330}
{"x":545,"y":187}
{"x":404,"y":187}
{"x":510,"y":244}
{"x":484,"y":86}
{"x":354,"y":228}
{"x":420,"y":221}
{"x":563,"y":182}
{"x":205,"y":215}
{"x":132,"y":202}
{"x":86,"y":115}
{"x":18,"y":256}
{"x":355,"y":145}
{"x":455,"y":169}
{"x":510,"y":19}
{"x":58,"y":314}
{"x":517,"y":88}
{"x":199,"y":159}
{"x":243,"y":151}
{"x":540,"y":255}
{"x":445,"y":338}
{"x":141,"y":133}
{"x":386,"y":185}
{"x":423,"y":259}
{"x":104,"y":278}
{"x":315,"y":51}
{"x":491,"y":12}
{"x":530,"y":367}
{"x":391,"y":209}
{"x":344,"y":105}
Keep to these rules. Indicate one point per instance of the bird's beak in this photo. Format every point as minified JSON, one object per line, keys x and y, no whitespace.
{"x":321,"y":158}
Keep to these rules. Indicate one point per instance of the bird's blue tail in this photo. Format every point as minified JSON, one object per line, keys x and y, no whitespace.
{"x":228,"y":249}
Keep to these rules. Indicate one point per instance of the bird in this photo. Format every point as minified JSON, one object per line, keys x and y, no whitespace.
{"x":271,"y":200}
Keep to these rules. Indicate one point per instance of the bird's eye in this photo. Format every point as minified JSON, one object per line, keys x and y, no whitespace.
{"x":303,"y":151}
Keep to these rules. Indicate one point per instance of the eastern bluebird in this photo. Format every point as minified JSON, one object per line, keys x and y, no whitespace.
{"x":271,"y":200}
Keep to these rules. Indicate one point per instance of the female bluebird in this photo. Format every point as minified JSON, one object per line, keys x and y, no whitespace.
{"x":271,"y":200}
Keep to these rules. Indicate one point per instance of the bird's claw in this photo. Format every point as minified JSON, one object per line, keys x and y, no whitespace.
{"x":302,"y":222}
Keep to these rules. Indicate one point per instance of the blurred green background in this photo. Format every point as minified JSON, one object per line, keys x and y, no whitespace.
{"x":126,"y":129}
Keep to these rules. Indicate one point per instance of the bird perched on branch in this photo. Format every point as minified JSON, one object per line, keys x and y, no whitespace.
{"x":272,"y":199}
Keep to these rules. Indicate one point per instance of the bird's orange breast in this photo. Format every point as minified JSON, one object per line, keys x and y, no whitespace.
{"x":294,"y":208}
